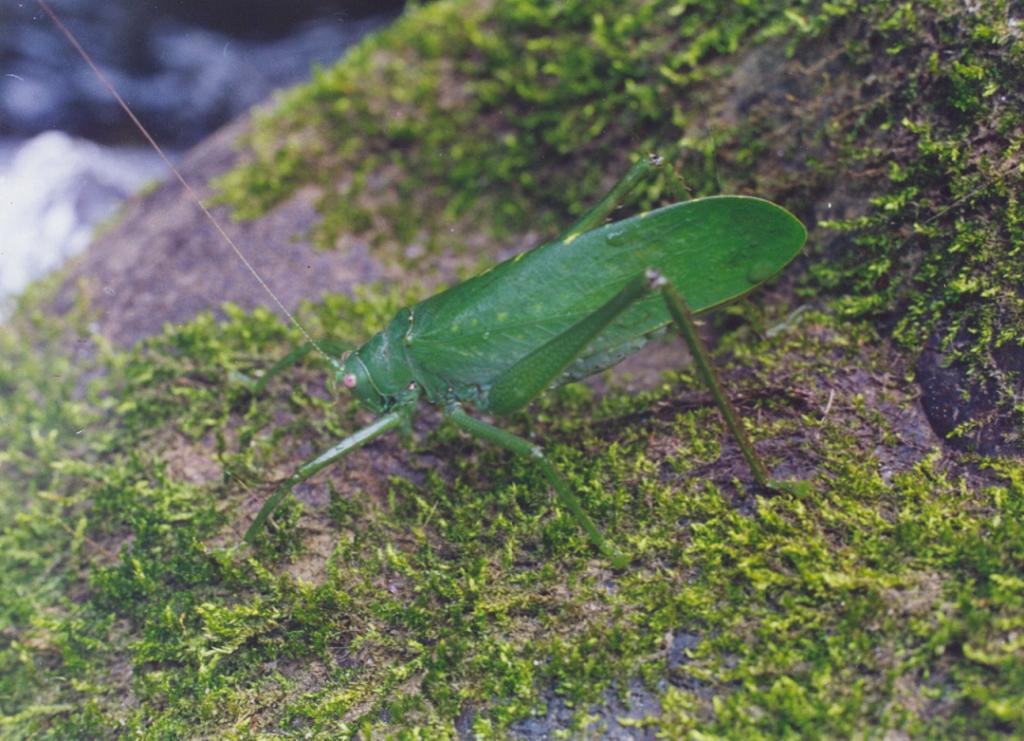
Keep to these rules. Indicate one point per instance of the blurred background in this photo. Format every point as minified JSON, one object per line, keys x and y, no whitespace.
{"x":68,"y":154}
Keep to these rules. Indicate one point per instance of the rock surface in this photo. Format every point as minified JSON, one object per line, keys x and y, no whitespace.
{"x":165,"y":262}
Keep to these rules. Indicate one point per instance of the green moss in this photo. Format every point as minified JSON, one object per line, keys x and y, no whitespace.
{"x":938,"y":142}
{"x":430,"y":590}
{"x":471,"y":107}
{"x":453,"y":588}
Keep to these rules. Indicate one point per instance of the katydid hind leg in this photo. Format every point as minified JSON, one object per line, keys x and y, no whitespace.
{"x":596,"y":215}
{"x":683,"y":319}
{"x":356,"y":440}
{"x":676,"y":185}
{"x":519,"y":446}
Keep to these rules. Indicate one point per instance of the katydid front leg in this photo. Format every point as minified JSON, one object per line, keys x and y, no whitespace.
{"x":323,"y":346}
{"x":384,"y":423}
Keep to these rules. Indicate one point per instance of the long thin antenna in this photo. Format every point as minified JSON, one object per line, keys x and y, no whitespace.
{"x":177,"y":173}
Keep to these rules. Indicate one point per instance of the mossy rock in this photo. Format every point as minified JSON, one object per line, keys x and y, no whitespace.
{"x":435,"y":589}
{"x":469,"y":130}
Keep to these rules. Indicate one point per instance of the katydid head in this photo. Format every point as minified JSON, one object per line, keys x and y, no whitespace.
{"x":353,"y":374}
{"x":378,"y":372}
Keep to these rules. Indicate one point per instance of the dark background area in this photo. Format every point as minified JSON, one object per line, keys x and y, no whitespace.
{"x":185,"y":66}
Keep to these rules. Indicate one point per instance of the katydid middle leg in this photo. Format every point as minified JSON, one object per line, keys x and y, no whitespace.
{"x":519,"y":446}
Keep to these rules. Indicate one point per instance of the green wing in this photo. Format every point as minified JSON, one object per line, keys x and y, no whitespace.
{"x":613,"y":346}
{"x":713,"y":250}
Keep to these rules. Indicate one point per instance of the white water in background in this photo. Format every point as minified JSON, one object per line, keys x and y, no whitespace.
{"x":54,"y":192}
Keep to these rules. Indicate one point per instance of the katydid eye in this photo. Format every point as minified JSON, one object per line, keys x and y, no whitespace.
{"x":349,"y":380}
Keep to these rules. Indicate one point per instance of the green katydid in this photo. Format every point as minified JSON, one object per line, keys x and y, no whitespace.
{"x":561,"y":312}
